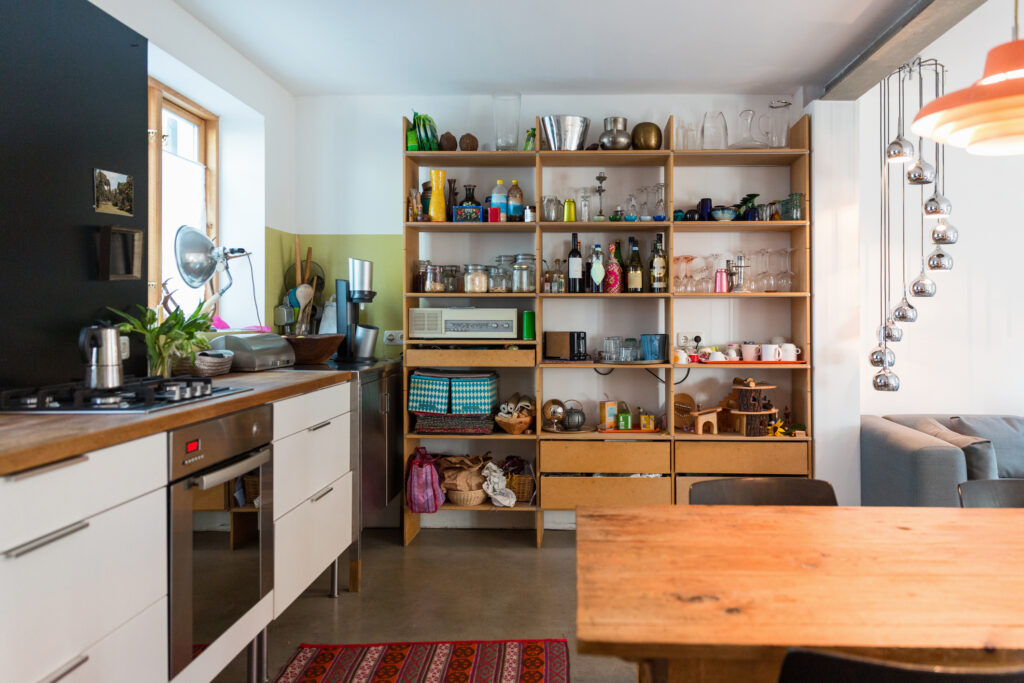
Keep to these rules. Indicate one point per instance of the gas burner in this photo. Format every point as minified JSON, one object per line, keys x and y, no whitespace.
{"x":108,"y":401}
{"x":135,"y":396}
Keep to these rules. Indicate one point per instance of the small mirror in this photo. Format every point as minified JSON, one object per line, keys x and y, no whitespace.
{"x":120,"y":253}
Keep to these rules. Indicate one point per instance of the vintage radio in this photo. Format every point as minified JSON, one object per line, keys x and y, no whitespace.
{"x":463,"y":323}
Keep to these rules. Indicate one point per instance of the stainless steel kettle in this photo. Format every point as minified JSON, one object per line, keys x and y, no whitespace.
{"x":101,"y":348}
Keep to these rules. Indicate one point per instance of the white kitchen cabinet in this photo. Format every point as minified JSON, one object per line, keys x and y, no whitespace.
{"x":299,"y":413}
{"x":72,"y":587}
{"x":137,"y":652}
{"x":305,"y":461}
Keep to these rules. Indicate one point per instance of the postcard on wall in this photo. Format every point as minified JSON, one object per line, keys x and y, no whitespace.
{"x":113,"y":193}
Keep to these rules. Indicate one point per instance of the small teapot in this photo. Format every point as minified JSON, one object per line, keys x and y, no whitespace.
{"x":574,"y":417}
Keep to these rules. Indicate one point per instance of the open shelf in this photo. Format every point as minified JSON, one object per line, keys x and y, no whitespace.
{"x":686,"y":436}
{"x":472,"y":342}
{"x":742,"y":295}
{"x":737,"y":157}
{"x":473,"y":159}
{"x":470,"y":295}
{"x":494,"y":436}
{"x":606,"y":436}
{"x":489,"y":507}
{"x":757,"y":366}
{"x":604,"y":226}
{"x":738,"y":226}
{"x":604,"y":366}
{"x":606,"y":157}
{"x":607,"y":295}
{"x":427,"y":226}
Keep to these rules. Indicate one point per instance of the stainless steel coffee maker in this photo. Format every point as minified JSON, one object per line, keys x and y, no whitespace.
{"x":360,"y":340}
{"x":101,"y":347}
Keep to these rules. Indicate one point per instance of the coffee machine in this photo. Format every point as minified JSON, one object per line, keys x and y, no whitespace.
{"x":360,"y":340}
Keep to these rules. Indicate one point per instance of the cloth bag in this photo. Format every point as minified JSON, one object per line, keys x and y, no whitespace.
{"x":463,"y":472}
{"x":423,"y":489}
{"x":494,"y":486}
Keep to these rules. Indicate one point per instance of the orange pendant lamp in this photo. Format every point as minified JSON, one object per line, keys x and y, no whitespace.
{"x":986,"y":118}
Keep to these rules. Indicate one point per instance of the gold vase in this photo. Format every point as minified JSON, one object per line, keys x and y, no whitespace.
{"x":646,"y":135}
{"x":437,"y":212}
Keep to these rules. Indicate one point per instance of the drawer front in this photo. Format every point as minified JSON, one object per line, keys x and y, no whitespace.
{"x":477,"y":358}
{"x":66,"y":595}
{"x":738,"y":457}
{"x":137,"y":651}
{"x":295,"y":414}
{"x":606,"y":456}
{"x":309,"y":538}
{"x":39,"y":501}
{"x":306,"y":462}
{"x":566,"y":493}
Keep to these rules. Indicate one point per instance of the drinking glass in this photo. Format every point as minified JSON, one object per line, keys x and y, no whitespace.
{"x":506,"y":121}
{"x":659,"y":205}
{"x":778,"y":135}
{"x":689,"y":284}
{"x":583,"y":208}
{"x":643,"y":193}
{"x":633,"y":210}
{"x":765,"y":278}
{"x":714,"y":132}
{"x":612,"y":349}
{"x":687,"y":135}
{"x":552,"y":208}
{"x":784,"y":278}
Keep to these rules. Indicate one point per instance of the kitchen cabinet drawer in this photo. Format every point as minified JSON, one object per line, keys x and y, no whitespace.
{"x":309,"y":538}
{"x":738,"y":457}
{"x":306,"y":462}
{"x":137,"y":651}
{"x":606,"y":456}
{"x":38,"y":501}
{"x":294,"y":414}
{"x":63,"y":596}
{"x":566,"y":493}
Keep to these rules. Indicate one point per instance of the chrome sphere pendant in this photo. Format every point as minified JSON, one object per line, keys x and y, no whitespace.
{"x":940,"y":260}
{"x":882,"y":356}
{"x":944,"y":233}
{"x":886,"y":380}
{"x":904,"y":312}
{"x":921,"y":173}
{"x":891,"y":331}
{"x":899,"y":151}
{"x":937,"y":206}
{"x":923,"y":286}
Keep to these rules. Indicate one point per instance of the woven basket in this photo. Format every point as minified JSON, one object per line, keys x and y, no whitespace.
{"x":251,"y":484}
{"x":522,"y":485}
{"x":205,"y":366}
{"x":467,"y":497}
{"x":514,"y":425}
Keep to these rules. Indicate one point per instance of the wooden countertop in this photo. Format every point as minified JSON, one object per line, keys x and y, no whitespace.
{"x":28,"y":441}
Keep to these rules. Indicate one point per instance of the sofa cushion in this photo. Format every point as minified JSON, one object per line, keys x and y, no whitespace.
{"x":1006,"y":432}
{"x":978,"y":452}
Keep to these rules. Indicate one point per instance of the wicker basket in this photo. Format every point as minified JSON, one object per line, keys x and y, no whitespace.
{"x":467,"y":497}
{"x":205,"y":366}
{"x":251,"y":484}
{"x":523,"y":486}
{"x":514,"y":425}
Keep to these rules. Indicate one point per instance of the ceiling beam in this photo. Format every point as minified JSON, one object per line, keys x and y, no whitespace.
{"x":915,"y":30}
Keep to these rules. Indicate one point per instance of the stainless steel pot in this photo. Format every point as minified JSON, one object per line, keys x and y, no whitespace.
{"x":565,"y":132}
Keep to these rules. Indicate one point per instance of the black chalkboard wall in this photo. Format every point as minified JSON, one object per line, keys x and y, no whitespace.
{"x":73,"y":88}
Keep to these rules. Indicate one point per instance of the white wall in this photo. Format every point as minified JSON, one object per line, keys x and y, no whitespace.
{"x":257,"y":144}
{"x":959,"y":355}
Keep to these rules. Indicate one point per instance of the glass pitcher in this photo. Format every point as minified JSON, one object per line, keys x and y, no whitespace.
{"x":778,"y":125}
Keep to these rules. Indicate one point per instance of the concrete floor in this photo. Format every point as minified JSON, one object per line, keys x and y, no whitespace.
{"x":449,"y":584}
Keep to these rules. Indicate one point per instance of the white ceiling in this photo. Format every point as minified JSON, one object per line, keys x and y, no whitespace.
{"x":445,"y":47}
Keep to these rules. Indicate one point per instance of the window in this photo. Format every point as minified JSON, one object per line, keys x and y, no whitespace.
{"x":182,"y":188}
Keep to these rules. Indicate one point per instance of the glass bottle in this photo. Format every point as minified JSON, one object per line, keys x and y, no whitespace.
{"x":574,"y":281}
{"x":515,"y":203}
{"x":530,"y":261}
{"x":613,"y":271}
{"x":635,"y":271}
{"x":420,"y":281}
{"x":619,"y":256}
{"x":658,"y":267}
{"x":470,"y":199}
{"x":597,"y":270}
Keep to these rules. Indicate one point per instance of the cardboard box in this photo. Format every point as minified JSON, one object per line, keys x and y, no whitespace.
{"x":565,"y":345}
{"x":607,"y":410}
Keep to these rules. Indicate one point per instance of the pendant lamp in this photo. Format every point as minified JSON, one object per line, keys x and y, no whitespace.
{"x":986,"y":118}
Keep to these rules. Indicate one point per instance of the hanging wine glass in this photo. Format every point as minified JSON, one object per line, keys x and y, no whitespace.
{"x":632,"y":210}
{"x":765,"y":281}
{"x":642,"y":192}
{"x":659,"y":205}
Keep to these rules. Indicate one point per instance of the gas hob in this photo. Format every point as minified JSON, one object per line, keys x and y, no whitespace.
{"x":145,"y":395}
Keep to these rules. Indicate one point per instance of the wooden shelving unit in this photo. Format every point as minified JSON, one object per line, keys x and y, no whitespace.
{"x":665,"y":460}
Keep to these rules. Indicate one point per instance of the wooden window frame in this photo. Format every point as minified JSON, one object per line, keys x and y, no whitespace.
{"x":161,"y":97}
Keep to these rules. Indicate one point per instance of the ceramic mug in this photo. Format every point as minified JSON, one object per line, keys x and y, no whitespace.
{"x":790,"y":352}
{"x":716,"y":356}
{"x":733,"y":347}
{"x":751,"y":351}
{"x":771,"y":352}
{"x":778,"y":340}
{"x":732,"y":354}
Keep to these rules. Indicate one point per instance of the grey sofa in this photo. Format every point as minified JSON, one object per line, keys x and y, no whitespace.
{"x":900,"y":465}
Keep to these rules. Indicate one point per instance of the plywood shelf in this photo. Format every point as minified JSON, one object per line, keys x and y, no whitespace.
{"x":496,"y":228}
{"x":471,"y":342}
{"x":607,"y":295}
{"x":494,"y":436}
{"x":555,"y":227}
{"x":686,"y":436}
{"x":488,"y":507}
{"x":742,"y":295}
{"x":470,"y":295}
{"x":547,"y":365}
{"x":608,"y":436}
{"x":752,"y":366}
{"x":460,"y":159}
{"x":738,"y":157}
{"x":606,"y":157}
{"x":738,"y":226}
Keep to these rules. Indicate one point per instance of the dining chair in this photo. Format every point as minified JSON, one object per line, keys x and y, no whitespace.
{"x":811,"y":666}
{"x":992,"y":493}
{"x":762,"y":491}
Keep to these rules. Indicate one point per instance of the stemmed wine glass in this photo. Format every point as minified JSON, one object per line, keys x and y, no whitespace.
{"x":784,"y":278}
{"x":643,"y":193}
{"x":632,"y":210}
{"x":687,"y":284}
{"x":765,"y":278}
{"x":584,"y":205}
{"x":659,"y":205}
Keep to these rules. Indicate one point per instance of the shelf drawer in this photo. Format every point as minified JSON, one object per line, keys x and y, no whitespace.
{"x":65,"y":595}
{"x":294,"y":414}
{"x":474,"y":358}
{"x":306,"y":462}
{"x":140,"y":646}
{"x":737,"y":457}
{"x":613,"y":457}
{"x":566,"y":493}
{"x":39,"y":501}
{"x":309,"y":538}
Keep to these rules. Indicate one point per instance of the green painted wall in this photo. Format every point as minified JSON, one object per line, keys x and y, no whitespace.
{"x":332,"y":253}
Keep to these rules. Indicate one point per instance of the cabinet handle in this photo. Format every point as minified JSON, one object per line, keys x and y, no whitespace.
{"x":26,"y":548}
{"x":27,"y":474}
{"x":385,"y":401}
{"x":66,"y":669}
{"x":320,"y":495}
{"x":319,"y":426}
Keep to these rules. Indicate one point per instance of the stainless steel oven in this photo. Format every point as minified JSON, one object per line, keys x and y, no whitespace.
{"x":218,"y":571}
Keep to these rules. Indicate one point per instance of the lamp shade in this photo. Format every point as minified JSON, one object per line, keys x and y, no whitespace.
{"x":194,"y":254}
{"x":986,"y":118}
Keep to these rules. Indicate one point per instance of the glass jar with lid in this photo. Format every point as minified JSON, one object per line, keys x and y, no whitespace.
{"x":419,"y":283}
{"x":530,"y":261}
{"x":522,"y":278}
{"x":505,"y":262}
{"x":452,"y":280}
{"x":499,"y":279}
{"x":475,"y":278}
{"x":434,"y":281}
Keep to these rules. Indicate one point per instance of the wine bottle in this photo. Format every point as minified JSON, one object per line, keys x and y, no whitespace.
{"x":635,"y":271}
{"x":597,"y":270}
{"x":658,"y":267}
{"x":613,"y":272}
{"x":575,"y":267}
{"x":619,"y":255}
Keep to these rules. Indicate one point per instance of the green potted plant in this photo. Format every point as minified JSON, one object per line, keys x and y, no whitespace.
{"x":177,"y":335}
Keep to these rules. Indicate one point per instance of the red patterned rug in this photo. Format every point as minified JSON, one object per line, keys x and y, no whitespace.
{"x":474,"y":661}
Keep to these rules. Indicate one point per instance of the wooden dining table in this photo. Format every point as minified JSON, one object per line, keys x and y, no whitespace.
{"x":719,"y":593}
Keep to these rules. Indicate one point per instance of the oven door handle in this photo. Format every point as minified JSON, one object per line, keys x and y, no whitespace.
{"x":208,"y":481}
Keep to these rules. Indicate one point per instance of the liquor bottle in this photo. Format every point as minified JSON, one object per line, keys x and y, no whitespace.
{"x":575,"y":267}
{"x":613,"y":272}
{"x":619,"y":255}
{"x":635,"y":271}
{"x":597,"y":270}
{"x":658,"y":267}
{"x":499,"y":200}
{"x":515,"y":203}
